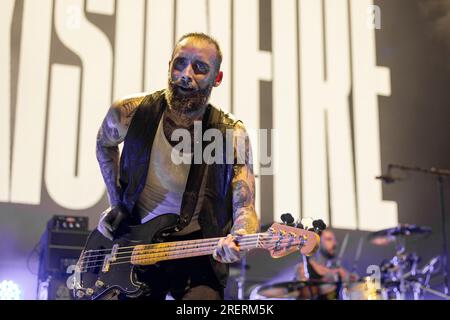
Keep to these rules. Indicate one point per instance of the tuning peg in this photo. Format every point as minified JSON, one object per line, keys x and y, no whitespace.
{"x":287,"y":218}
{"x":298,"y":224}
{"x":319,"y":226}
{"x":307,"y":222}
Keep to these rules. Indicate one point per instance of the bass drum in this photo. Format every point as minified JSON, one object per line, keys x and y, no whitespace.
{"x":364,"y":289}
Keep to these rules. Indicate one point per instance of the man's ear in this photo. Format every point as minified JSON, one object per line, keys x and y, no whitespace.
{"x":218,"y":79}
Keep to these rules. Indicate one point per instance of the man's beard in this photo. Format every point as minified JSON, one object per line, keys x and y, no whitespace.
{"x":187,"y":102}
{"x":327,"y":254}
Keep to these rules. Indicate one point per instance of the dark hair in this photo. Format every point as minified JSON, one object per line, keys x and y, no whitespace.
{"x":207,"y":38}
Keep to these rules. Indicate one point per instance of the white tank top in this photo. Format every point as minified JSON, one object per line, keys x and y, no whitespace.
{"x":166,"y":182}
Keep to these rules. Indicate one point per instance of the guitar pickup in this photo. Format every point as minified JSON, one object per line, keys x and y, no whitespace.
{"x":110,"y":258}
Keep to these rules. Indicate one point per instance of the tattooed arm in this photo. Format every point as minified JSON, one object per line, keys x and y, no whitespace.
{"x":245,"y":220}
{"x":111,"y":133}
{"x":243,"y":184}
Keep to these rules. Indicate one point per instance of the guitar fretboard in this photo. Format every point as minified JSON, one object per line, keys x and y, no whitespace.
{"x":151,"y":253}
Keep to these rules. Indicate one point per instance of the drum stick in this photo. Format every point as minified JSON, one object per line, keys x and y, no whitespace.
{"x":358,"y":254}
{"x":343,"y":248}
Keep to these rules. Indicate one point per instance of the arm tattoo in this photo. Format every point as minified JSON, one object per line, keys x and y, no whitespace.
{"x":242,"y":196}
{"x":243,"y":184}
{"x":111,"y":133}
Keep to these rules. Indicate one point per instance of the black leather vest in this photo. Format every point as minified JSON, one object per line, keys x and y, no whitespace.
{"x":215,"y":217}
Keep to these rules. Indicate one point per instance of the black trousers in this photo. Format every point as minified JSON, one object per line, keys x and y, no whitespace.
{"x":185,"y":279}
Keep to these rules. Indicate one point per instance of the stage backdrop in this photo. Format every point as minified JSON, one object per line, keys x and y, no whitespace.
{"x":343,"y":87}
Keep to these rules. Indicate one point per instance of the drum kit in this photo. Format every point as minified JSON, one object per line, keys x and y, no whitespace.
{"x":398,"y":278}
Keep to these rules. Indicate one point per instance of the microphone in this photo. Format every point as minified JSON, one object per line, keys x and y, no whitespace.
{"x":387,"y":178}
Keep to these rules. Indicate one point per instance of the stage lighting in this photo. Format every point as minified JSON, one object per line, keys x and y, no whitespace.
{"x":9,"y":290}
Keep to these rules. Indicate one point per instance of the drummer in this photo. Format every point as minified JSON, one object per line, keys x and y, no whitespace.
{"x":324,"y":267}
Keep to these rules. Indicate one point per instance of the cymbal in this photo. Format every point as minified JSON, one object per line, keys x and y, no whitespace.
{"x":386,"y":236}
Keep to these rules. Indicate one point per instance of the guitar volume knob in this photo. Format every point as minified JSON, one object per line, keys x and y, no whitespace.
{"x":80,"y":294}
{"x":89,"y":291}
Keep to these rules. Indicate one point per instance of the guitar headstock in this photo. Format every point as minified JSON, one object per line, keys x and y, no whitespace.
{"x":281,"y":240}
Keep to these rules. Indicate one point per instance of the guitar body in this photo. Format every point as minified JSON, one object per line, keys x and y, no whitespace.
{"x":120,"y":278}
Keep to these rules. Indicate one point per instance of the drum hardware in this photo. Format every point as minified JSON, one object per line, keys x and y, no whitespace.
{"x":429,"y":269}
{"x":440,"y":175}
{"x":242,"y":277}
{"x":395,"y":272}
{"x":401,"y":274}
{"x":420,"y":281}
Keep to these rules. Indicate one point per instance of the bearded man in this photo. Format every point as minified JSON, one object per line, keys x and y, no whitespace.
{"x":212,"y":199}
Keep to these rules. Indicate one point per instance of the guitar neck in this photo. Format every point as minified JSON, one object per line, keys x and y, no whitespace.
{"x":152,"y":253}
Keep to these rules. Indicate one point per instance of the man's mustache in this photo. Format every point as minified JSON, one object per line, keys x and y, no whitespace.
{"x":182,"y":84}
{"x":191,"y":91}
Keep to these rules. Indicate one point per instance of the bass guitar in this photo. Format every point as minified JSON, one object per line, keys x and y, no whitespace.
{"x":108,"y":268}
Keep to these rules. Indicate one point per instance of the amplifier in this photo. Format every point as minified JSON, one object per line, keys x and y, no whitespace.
{"x":61,"y":246}
{"x":61,"y":243}
{"x":68,"y":223}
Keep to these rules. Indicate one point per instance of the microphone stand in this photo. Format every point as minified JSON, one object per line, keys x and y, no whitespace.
{"x":440,"y":174}
{"x":307,"y":275}
{"x":241,"y":279}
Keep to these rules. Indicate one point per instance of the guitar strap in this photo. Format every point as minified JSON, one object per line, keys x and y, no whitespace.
{"x":197,"y":173}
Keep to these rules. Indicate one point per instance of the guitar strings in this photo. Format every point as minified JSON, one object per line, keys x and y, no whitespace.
{"x":173,"y":255}
{"x":168,"y":249}
{"x":165,"y":249}
{"x":175,"y":244}
{"x":184,"y":245}
{"x":158,"y":253}
{"x":194,"y":240}
{"x":165,"y":246}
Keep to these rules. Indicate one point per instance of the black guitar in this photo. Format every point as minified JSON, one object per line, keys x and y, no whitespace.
{"x":107,"y":269}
